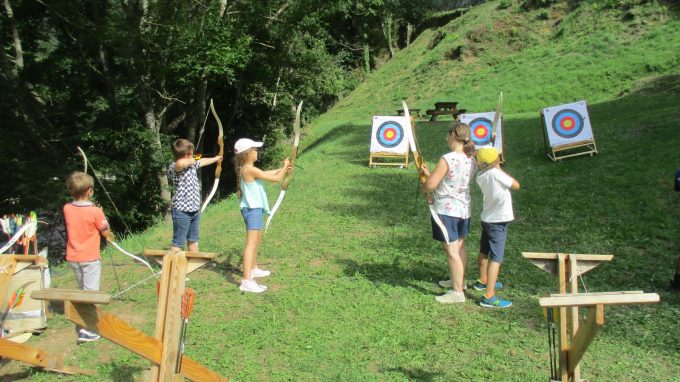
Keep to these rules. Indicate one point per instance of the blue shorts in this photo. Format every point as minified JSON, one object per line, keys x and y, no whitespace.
{"x":253,"y":218}
{"x":456,"y":228}
{"x":492,"y":242}
{"x":185,"y":227}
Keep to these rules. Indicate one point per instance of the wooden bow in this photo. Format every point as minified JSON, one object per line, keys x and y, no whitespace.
{"x":286,"y":180}
{"x":418,"y":159}
{"x":218,"y":166}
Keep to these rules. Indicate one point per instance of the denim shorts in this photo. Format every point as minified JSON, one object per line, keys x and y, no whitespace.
{"x":253,"y":218}
{"x":185,"y":227}
{"x":492,"y":242}
{"x":456,"y":228}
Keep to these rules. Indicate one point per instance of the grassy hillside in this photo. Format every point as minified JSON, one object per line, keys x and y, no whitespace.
{"x":355,"y":269}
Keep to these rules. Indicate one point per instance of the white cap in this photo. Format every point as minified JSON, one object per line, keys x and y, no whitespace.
{"x":244,"y":144}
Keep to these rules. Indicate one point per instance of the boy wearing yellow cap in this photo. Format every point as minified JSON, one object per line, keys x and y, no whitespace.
{"x":496,"y":214}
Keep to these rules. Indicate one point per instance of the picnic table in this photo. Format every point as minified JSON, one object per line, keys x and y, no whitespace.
{"x":444,"y":108}
{"x":415,"y":112}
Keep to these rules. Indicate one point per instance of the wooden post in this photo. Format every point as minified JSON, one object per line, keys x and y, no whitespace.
{"x":575,"y":339}
{"x":573,"y":281}
{"x":564,"y":343}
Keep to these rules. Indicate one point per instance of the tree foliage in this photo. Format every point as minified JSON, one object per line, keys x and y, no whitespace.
{"x":122,"y":79}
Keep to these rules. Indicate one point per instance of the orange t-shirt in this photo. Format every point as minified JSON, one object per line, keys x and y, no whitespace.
{"x":84,"y":222}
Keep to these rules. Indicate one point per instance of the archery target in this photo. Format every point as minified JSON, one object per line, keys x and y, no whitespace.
{"x":481,"y":126}
{"x":567,"y":123}
{"x":390,"y":134}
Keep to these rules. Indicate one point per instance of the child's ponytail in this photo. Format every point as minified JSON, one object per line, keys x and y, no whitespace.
{"x":238,"y":170}
{"x":461,"y":132}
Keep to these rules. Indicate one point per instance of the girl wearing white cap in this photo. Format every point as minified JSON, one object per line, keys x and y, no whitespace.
{"x":253,"y":205}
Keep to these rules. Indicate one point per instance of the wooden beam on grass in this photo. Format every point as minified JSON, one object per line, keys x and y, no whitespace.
{"x":38,"y":357}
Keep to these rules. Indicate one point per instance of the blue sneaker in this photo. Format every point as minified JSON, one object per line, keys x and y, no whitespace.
{"x":479,"y":286}
{"x":87,"y":336}
{"x":494,"y":302}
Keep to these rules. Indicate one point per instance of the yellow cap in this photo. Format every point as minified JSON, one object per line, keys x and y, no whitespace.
{"x":487,"y":155}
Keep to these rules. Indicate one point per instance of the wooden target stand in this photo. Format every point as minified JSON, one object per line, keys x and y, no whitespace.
{"x":9,"y":265}
{"x":162,"y":349}
{"x":392,"y":159}
{"x":575,"y":339}
{"x":558,"y":152}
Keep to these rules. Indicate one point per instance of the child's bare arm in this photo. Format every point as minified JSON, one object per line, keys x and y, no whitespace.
{"x":436,"y":176}
{"x":276,"y":175}
{"x":108,"y":234}
{"x":209,"y":161}
{"x":515,"y":183}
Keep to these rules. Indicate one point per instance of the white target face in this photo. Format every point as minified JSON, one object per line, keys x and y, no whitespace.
{"x":567,"y":124}
{"x":390,"y":134}
{"x":481,"y":128}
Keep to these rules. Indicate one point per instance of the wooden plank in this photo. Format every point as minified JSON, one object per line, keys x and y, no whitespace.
{"x":197,"y":372}
{"x":579,"y":256}
{"x":187,"y":254}
{"x":584,"y":337}
{"x":571,"y":145}
{"x":37,"y":357}
{"x":161,"y":309}
{"x":73,"y":295}
{"x":564,"y":339}
{"x":118,"y":331}
{"x":597,"y":293}
{"x":173,"y":318}
{"x":114,"y":329}
{"x":573,"y":284}
{"x":587,"y":299}
{"x":548,"y":261}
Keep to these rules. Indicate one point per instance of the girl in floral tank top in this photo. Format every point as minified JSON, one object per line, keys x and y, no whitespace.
{"x":450,"y":185}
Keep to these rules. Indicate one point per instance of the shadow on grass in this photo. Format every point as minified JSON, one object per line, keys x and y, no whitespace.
{"x":414,"y":374}
{"x":229,"y":270}
{"x":123,"y":373}
{"x":17,"y":376}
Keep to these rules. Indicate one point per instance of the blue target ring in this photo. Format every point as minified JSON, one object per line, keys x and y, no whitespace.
{"x":390,"y":134}
{"x":567,"y":123}
{"x":480,"y":130}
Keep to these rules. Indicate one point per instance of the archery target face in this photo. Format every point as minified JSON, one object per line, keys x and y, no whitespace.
{"x":481,"y":125}
{"x":390,"y":134}
{"x":567,"y":123}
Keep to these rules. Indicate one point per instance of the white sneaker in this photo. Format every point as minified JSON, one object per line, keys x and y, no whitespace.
{"x":451,"y":297}
{"x":251,"y":286}
{"x":257,"y":272}
{"x":449,"y":284}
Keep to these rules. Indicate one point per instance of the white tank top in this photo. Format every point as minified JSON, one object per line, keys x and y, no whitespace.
{"x":452,"y":196}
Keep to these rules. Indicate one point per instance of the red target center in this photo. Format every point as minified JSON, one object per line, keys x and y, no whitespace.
{"x":568,"y":123}
{"x":480,"y":131}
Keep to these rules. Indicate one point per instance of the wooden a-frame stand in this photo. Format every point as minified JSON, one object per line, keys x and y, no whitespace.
{"x":161,"y":349}
{"x":558,"y":152}
{"x":9,"y":265}
{"x":403,"y":159}
{"x":574,"y":341}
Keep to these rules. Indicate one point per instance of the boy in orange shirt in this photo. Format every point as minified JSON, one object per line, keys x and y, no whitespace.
{"x":85,"y":224}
